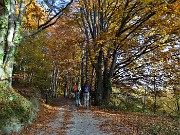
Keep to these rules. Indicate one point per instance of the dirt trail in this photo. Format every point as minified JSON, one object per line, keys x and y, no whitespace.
{"x":80,"y":122}
{"x":64,"y":118}
{"x":67,"y":119}
{"x":75,"y":121}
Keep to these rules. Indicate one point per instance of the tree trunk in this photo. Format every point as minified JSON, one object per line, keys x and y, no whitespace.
{"x":86,"y":68}
{"x":82,"y":68}
{"x":55,"y":83}
{"x":7,"y":61}
{"x":155,"y":96}
{"x":144,"y":101}
{"x":107,"y":87}
{"x":3,"y":32}
{"x":8,"y":40}
{"x":53,"y":86}
{"x":99,"y":81}
{"x":107,"y":75}
{"x":107,"y":82}
{"x":177,"y":103}
{"x":99,"y":88}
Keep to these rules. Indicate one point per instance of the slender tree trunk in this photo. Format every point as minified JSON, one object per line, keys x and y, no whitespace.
{"x":177,"y":97}
{"x":66,"y":84}
{"x":144,"y":101}
{"x":82,"y":68}
{"x":177,"y":103}
{"x":55,"y":82}
{"x":53,"y":86}
{"x":155,"y":96}
{"x":92,"y":78}
{"x":87,"y":72}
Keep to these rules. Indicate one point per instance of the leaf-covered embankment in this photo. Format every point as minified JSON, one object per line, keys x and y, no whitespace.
{"x":15,"y":110}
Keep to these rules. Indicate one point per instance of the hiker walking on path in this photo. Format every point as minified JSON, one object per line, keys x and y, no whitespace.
{"x":77,"y":90}
{"x":78,"y":101}
{"x":86,"y":95}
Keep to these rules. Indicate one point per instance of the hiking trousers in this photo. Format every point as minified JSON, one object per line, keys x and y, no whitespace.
{"x":78,"y":101}
{"x":86,"y":100}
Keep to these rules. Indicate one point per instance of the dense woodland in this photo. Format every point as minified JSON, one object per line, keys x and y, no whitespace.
{"x":127,"y":50}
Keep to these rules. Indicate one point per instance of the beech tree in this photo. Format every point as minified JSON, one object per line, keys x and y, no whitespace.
{"x":113,"y":31}
{"x":15,"y":27}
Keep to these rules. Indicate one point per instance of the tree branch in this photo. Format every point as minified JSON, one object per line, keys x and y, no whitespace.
{"x":49,"y":22}
{"x":56,"y":15}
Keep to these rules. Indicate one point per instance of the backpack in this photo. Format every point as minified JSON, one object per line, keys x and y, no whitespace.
{"x":79,"y":88}
{"x":75,"y":88}
{"x":86,"y":89}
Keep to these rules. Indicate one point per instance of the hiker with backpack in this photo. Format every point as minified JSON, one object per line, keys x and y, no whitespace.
{"x":77,"y":90}
{"x":86,"y":91}
{"x":78,"y":94}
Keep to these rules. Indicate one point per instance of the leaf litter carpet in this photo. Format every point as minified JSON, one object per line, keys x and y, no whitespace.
{"x":64,"y":118}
